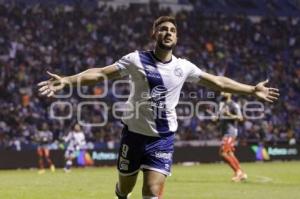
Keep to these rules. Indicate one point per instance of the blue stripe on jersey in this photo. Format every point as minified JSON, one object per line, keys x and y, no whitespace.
{"x":157,"y":91}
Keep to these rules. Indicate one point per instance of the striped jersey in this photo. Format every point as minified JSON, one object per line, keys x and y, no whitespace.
{"x":75,"y":140}
{"x":155,"y":91}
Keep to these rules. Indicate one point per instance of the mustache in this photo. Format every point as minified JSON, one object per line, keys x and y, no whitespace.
{"x":165,"y":47}
{"x":168,"y":37}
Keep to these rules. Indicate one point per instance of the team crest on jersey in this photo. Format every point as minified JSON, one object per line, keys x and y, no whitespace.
{"x":178,"y":72}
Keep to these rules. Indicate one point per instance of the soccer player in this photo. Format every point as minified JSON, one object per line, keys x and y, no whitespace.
{"x":76,"y":141}
{"x":44,"y":137}
{"x":150,"y":121}
{"x":230,"y":115}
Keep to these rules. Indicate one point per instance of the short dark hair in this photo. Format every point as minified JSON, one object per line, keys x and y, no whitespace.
{"x":163,"y":19}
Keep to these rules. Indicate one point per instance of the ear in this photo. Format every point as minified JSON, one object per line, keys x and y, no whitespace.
{"x":153,"y":34}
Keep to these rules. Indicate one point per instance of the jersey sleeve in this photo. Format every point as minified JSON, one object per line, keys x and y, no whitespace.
{"x":125,"y":63}
{"x":194,"y":73}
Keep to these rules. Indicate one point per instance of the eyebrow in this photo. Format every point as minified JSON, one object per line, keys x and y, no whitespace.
{"x":164,"y":27}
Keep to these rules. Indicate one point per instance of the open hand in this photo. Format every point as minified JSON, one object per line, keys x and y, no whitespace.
{"x":266,"y":93}
{"x":50,"y":87}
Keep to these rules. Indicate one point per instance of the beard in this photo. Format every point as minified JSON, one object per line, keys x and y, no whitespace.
{"x":165,"y":47}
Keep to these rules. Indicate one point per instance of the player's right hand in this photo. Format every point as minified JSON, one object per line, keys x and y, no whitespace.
{"x":50,"y":87}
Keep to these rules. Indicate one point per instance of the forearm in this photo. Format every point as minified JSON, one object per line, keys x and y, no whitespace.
{"x":87,"y":77}
{"x":225,"y":84}
{"x":231,"y":86}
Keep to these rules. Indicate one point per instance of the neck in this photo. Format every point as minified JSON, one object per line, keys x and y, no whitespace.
{"x":163,"y":55}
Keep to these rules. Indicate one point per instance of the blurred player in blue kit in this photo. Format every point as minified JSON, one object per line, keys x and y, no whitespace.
{"x":150,"y":121}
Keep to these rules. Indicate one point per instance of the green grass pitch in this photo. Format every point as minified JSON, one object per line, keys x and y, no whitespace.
{"x":276,"y":180}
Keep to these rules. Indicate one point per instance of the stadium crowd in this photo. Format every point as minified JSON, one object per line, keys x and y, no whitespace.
{"x":68,"y":39}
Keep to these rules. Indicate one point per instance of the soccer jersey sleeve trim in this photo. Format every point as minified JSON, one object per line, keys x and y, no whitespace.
{"x":125,"y":63}
{"x":121,"y":69}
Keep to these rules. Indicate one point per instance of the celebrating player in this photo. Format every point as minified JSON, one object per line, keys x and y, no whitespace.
{"x":150,"y":121}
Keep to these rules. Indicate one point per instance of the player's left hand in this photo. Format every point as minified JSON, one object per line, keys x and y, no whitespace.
{"x":266,"y":93}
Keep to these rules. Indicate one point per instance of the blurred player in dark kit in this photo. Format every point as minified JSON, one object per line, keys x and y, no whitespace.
{"x":230,"y":115}
{"x":44,"y":138}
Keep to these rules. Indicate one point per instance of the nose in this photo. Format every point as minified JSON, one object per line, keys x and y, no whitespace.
{"x":169,"y":33}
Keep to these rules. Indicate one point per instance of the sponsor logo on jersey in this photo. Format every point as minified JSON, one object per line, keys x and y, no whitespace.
{"x":158,"y":94}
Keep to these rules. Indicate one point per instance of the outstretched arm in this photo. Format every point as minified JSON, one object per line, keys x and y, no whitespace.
{"x":225,"y":84}
{"x":87,"y":77}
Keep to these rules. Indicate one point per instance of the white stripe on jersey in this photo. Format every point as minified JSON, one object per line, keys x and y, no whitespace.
{"x":157,"y":89}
